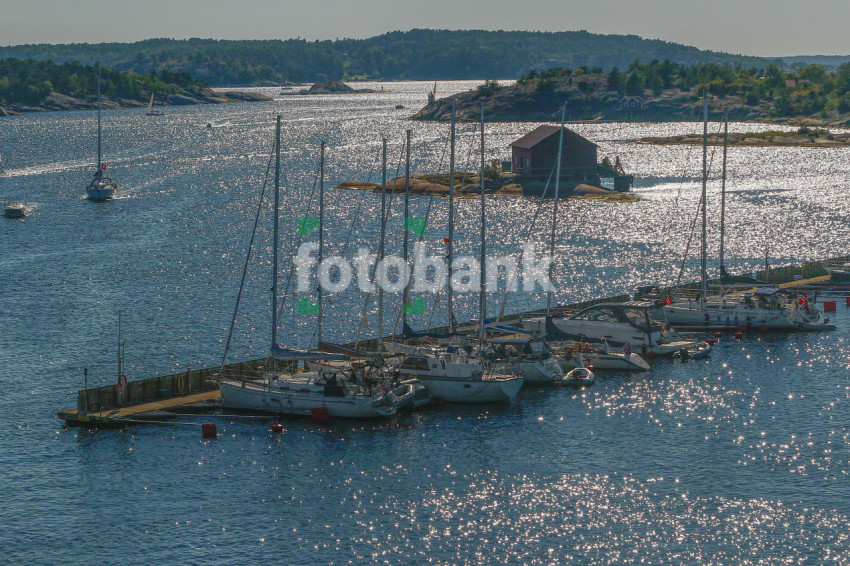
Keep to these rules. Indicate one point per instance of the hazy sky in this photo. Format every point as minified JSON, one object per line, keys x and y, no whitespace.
{"x":752,"y":27}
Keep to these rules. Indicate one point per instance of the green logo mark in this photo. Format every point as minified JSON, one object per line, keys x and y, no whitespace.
{"x":307,"y":225}
{"x":416,"y":307}
{"x":306,"y":307}
{"x":415,"y":225}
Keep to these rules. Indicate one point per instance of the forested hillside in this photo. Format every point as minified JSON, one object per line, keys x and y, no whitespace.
{"x":416,"y":54}
{"x":666,"y":91}
{"x":29,"y":86}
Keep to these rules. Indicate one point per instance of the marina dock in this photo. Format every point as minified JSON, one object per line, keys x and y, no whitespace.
{"x":159,"y":398}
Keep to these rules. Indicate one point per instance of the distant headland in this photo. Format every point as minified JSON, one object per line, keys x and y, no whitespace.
{"x":660,"y":91}
{"x":41,"y":86}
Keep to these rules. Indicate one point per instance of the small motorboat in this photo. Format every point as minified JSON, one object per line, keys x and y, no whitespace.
{"x":421,"y":396}
{"x":578,"y":377}
{"x":399,"y":106}
{"x":698,"y":351}
{"x":16,"y":210}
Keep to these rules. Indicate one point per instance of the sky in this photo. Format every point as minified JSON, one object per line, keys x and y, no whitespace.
{"x":750,"y":27}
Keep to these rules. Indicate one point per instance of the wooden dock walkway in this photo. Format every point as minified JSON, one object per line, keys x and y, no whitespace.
{"x":134,"y":413}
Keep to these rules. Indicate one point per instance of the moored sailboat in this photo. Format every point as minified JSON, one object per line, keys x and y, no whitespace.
{"x":767,"y":308}
{"x":350,"y":392}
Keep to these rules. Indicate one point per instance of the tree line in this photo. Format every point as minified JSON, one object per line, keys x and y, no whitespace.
{"x":31,"y":82}
{"x":803,"y":91}
{"x":418,"y":54}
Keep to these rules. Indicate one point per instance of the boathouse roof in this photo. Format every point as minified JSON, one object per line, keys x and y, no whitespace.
{"x":542,"y":133}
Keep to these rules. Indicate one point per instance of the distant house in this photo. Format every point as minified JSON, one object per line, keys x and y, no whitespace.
{"x":631,"y":103}
{"x":535,"y":155}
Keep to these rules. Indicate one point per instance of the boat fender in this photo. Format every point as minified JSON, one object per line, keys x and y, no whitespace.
{"x":208,"y":430}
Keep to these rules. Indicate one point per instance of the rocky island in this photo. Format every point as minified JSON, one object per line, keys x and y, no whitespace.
{"x":332,"y":87}
{"x":468,"y":186}
{"x":804,"y":137}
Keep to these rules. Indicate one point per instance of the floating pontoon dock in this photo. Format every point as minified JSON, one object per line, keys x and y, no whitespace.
{"x":156,"y":398}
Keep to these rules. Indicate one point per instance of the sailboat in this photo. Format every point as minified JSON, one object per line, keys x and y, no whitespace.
{"x":151,"y":111}
{"x":100,"y":188}
{"x":767,"y":308}
{"x":454,"y":373}
{"x":352,"y":391}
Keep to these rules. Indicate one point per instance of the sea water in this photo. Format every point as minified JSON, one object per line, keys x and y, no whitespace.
{"x":742,"y":458}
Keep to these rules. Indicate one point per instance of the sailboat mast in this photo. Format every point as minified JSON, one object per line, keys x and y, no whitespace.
{"x":321,"y":227}
{"x":405,"y":295}
{"x":482,"y":307}
{"x":450,"y":255}
{"x":99,"y":165}
{"x":703,"y":274}
{"x":723,"y":190}
{"x":381,"y":244}
{"x":120,"y":352}
{"x":555,"y":210}
{"x":276,"y":234}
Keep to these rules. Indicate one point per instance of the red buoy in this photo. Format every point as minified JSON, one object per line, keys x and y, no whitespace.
{"x":709,"y":341}
{"x":320,"y":415}
{"x":277,"y":428}
{"x":739,"y":335}
{"x":208,"y":430}
{"x":718,"y":334}
{"x":446,"y":240}
{"x":829,"y":306}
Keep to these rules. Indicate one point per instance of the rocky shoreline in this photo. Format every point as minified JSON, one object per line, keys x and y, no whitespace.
{"x":58,"y":102}
{"x":468,"y":185}
{"x":804,"y":137}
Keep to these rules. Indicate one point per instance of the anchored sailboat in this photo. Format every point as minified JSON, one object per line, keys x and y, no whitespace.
{"x":101,"y":188}
{"x":151,"y":111}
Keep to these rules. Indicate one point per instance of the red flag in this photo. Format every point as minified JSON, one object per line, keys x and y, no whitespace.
{"x":103,"y":166}
{"x":668,"y":301}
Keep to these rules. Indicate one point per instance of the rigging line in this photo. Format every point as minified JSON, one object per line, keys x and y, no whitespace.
{"x":363,"y":197}
{"x":395,"y":180}
{"x":247,"y":260}
{"x":367,"y":300}
{"x":527,"y":239}
{"x":365,"y":311}
{"x":428,"y":211}
{"x":296,"y":243}
{"x":700,"y":204}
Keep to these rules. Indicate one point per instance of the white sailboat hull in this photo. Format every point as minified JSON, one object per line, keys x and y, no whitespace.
{"x":653,"y":342}
{"x":252,"y":396}
{"x":614,"y":361}
{"x":455,"y":390}
{"x":100,"y":192}
{"x":704,"y":316}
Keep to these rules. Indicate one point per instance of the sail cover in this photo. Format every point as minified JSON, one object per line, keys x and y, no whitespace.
{"x":284,"y":353}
